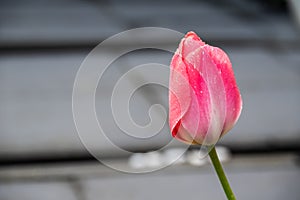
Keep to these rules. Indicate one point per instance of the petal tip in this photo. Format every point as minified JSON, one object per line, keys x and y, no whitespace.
{"x":194,"y":36}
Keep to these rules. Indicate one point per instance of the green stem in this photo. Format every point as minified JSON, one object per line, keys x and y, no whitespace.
{"x":222,"y":177}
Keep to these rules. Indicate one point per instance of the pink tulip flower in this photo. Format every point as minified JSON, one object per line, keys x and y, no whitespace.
{"x":205,"y":102}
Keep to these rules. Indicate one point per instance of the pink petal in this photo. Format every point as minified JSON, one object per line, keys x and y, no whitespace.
{"x":189,"y":44}
{"x":233,"y":97}
{"x":196,"y":119}
{"x":179,"y":95}
{"x":213,"y":102}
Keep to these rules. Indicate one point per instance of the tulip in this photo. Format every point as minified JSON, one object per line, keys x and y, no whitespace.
{"x":205,"y":102}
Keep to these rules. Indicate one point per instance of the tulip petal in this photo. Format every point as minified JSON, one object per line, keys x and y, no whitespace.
{"x":179,"y":95}
{"x":196,"y":119}
{"x":189,"y":44}
{"x":233,"y":97}
{"x":214,"y":101}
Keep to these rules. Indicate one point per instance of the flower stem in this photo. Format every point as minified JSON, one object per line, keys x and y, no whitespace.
{"x":222,"y":177}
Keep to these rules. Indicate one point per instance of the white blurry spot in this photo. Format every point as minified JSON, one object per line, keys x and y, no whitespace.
{"x":196,"y":158}
{"x":153,"y":159}
{"x":223,"y":153}
{"x":157,"y":159}
{"x":137,"y":161}
{"x":174,"y":156}
{"x":145,"y":160}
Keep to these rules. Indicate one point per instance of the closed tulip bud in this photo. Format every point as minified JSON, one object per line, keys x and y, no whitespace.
{"x":204,"y":99}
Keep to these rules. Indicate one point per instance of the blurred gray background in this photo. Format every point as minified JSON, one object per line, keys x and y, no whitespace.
{"x":43,"y":44}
